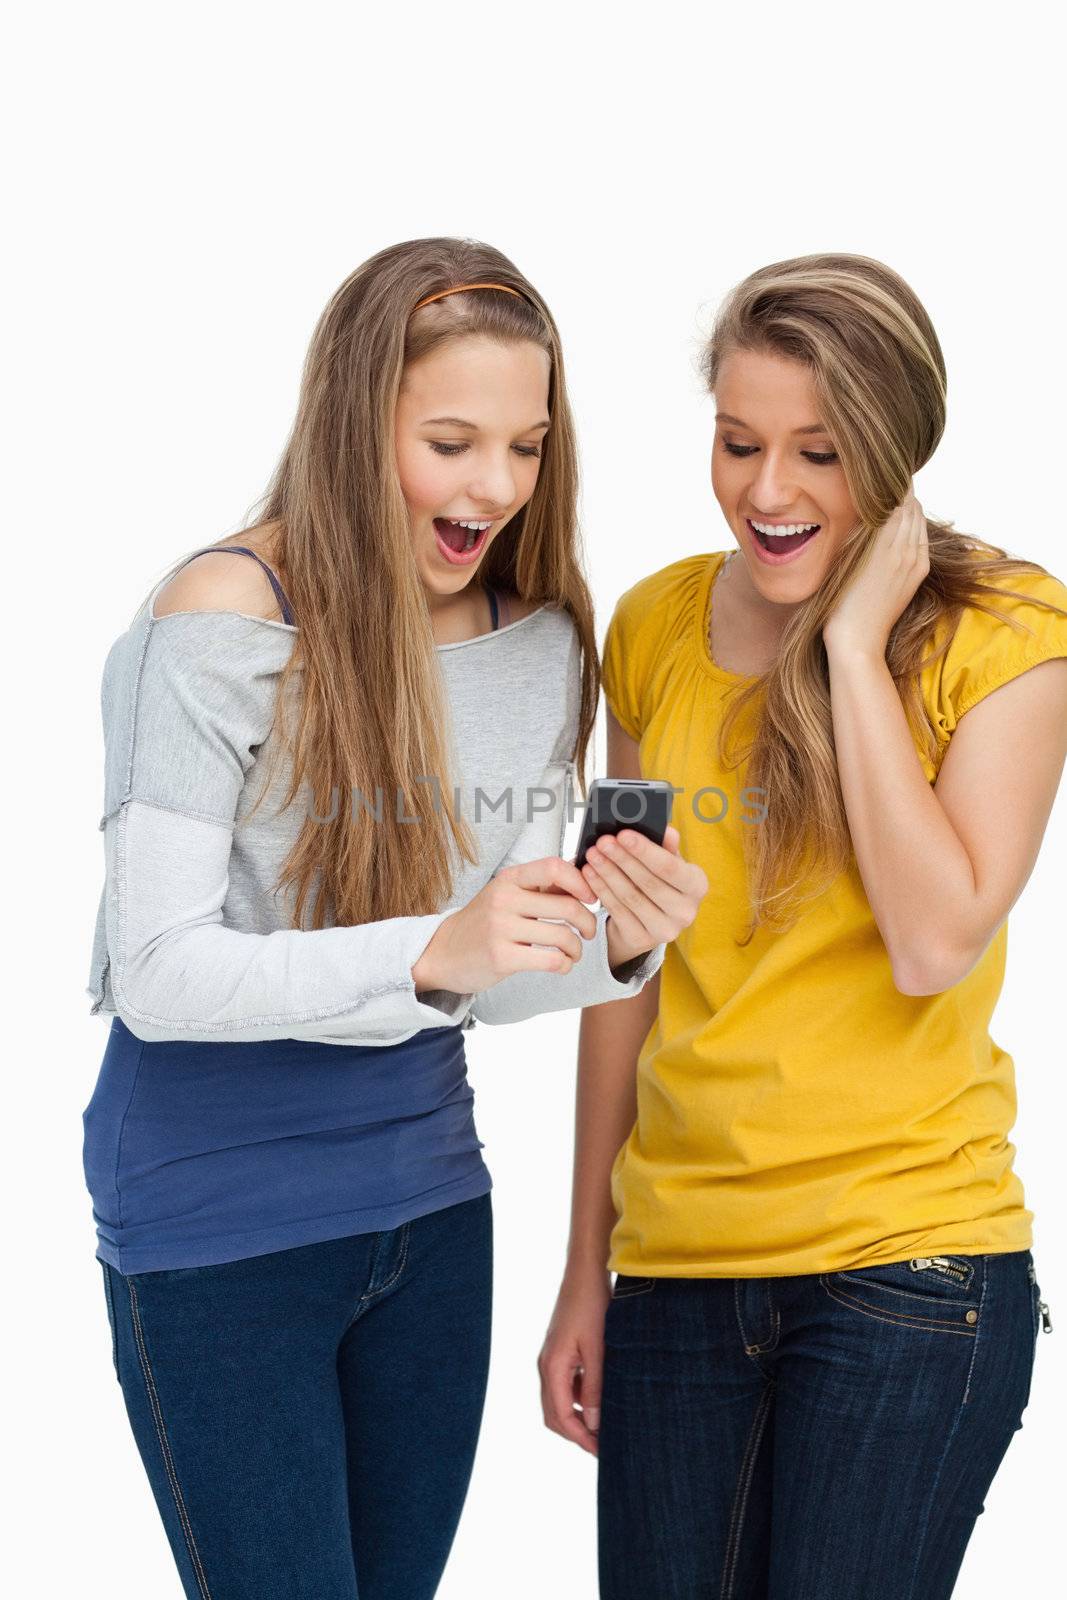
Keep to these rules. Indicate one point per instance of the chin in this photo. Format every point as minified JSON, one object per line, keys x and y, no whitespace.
{"x":450,"y":582}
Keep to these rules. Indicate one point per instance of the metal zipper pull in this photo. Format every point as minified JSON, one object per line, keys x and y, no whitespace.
{"x":1046,"y":1319}
{"x":938,"y":1264}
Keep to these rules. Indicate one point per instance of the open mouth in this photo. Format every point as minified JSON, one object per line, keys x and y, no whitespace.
{"x":461,"y":539}
{"x":782,"y":538}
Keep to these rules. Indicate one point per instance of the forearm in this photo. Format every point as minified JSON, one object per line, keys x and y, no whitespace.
{"x":916,"y":872}
{"x":178,"y":972}
{"x":610,"y":1042}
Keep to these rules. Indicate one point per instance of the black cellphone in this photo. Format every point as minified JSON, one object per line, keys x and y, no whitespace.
{"x":643,"y":804}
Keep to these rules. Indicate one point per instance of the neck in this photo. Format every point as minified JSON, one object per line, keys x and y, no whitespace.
{"x":771,"y":617}
{"x":459,"y":616}
{"x":746,"y":628}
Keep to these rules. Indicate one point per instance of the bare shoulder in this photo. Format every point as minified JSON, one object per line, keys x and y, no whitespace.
{"x":218,"y":580}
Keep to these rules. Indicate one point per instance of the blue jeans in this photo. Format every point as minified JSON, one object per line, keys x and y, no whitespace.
{"x":308,"y":1418}
{"x":825,"y":1437}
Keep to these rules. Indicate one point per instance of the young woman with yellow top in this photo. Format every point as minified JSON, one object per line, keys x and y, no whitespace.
{"x":821,"y":1335}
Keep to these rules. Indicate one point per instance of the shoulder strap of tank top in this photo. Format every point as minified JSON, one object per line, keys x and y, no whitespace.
{"x":243,"y":550}
{"x":505,"y":609}
{"x":493,"y":608}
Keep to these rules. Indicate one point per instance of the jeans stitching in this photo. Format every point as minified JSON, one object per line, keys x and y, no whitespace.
{"x":921,"y":1541}
{"x":111,"y":1317}
{"x":372,"y":1294}
{"x":164,"y":1445}
{"x":974,"y":1352}
{"x":744,"y":1483}
{"x":908,"y":1294}
{"x":753,"y":1350}
{"x":372,"y":1269}
{"x":1035,"y":1334}
{"x":640,"y":1286}
{"x":900,"y":1321}
{"x":737,"y":1313}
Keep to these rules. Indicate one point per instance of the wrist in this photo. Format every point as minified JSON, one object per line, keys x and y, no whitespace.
{"x":581,"y":1275}
{"x":584,"y":1287}
{"x":423,"y":976}
{"x":620,"y":953}
{"x":844,"y":649}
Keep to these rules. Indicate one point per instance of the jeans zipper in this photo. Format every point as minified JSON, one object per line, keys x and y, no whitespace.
{"x":939,"y":1264}
{"x":1042,"y":1305}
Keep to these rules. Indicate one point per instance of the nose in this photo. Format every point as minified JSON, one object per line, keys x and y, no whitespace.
{"x":493,"y":489}
{"x":771,"y":491}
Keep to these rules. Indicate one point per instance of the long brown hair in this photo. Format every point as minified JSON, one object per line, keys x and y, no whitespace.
{"x":879,"y":377}
{"x":369,"y":712}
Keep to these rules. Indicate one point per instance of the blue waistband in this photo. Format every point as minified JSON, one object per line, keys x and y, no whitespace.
{"x":199,"y":1152}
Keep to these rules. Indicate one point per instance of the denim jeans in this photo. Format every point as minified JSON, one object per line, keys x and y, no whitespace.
{"x":825,"y":1437}
{"x":308,"y":1418}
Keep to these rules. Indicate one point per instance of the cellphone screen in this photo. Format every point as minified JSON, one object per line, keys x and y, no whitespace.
{"x":617,"y":803}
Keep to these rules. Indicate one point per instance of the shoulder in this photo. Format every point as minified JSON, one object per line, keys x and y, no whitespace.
{"x":648,"y":628}
{"x":657,"y":610}
{"x":1019,"y":612}
{"x":218,"y":580}
{"x":1020,"y":622}
{"x":518,"y":607}
{"x":200,"y":638}
{"x":668,"y":588}
{"x":654,"y":614}
{"x":1016,"y":594}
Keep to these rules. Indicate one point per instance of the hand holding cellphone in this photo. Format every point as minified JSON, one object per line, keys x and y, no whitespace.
{"x":617,"y":803}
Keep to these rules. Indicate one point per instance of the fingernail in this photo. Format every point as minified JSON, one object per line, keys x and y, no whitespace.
{"x":592,"y":1420}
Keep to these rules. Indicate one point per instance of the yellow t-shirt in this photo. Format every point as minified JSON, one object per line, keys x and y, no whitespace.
{"x":796,"y":1112}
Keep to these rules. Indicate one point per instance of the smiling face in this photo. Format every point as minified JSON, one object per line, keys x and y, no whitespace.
{"x":471,"y":419}
{"x":777,"y":476}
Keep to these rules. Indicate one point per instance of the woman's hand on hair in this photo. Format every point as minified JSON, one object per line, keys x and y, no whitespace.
{"x":898,"y":562}
{"x":650,"y":890}
{"x":507,"y":928}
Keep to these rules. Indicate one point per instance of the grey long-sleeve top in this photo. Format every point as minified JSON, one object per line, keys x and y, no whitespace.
{"x":191,"y":940}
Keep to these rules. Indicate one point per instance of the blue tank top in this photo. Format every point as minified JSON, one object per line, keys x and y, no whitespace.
{"x":197,"y":1153}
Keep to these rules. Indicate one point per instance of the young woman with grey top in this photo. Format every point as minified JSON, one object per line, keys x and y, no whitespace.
{"x":334,"y":809}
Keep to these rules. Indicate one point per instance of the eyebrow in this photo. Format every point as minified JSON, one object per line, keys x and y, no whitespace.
{"x":459,"y":422}
{"x":815,"y":427}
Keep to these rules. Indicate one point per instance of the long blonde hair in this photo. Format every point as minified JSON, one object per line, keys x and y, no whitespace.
{"x":879,"y":377}
{"x":372,"y":712}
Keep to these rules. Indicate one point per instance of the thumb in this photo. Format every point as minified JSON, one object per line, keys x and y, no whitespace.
{"x":672,"y":841}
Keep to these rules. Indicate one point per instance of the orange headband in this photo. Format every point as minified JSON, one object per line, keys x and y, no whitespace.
{"x":461,"y":287}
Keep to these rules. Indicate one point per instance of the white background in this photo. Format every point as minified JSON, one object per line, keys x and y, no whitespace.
{"x":187,"y":186}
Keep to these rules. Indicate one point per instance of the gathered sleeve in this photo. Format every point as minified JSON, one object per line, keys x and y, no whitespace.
{"x":988,"y":651}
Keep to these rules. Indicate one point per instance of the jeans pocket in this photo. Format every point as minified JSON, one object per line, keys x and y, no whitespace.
{"x":109,"y":1296}
{"x":937,"y":1293}
{"x":625,"y":1286}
